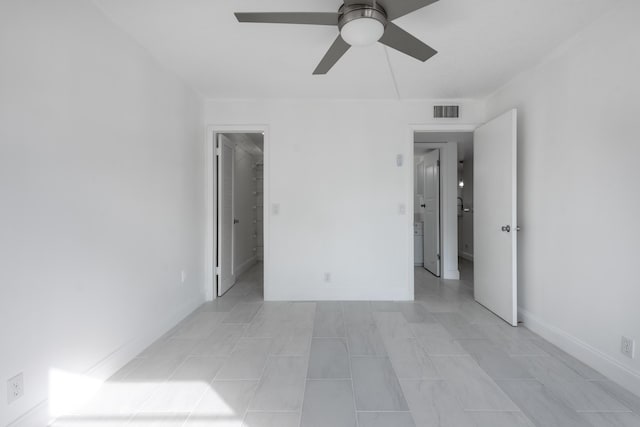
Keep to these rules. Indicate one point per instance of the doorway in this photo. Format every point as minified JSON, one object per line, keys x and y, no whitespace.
{"x":235,"y":214}
{"x":447,"y":229}
{"x":478,"y":207}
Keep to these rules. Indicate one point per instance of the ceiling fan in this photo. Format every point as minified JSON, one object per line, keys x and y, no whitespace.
{"x":361,"y":23}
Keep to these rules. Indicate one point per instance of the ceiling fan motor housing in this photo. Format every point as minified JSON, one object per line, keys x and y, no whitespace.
{"x":359,"y":24}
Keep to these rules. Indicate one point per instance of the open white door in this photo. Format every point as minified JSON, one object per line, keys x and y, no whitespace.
{"x":431,"y":206}
{"x":226,"y":159}
{"x":495,"y":220}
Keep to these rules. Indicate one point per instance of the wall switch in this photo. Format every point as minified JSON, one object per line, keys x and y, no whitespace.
{"x":15,"y":388}
{"x":402,"y":209}
{"x":327,"y":277}
{"x":275,"y":208}
{"x":399,"y":160}
{"x":628,"y":347}
{"x":183,"y":276}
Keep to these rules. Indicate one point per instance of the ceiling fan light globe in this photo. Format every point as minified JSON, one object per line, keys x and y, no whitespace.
{"x":362,"y":31}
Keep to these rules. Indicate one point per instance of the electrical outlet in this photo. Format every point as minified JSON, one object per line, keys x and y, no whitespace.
{"x":183,"y":276}
{"x":627,"y":347}
{"x":327,"y":277}
{"x":15,"y":388}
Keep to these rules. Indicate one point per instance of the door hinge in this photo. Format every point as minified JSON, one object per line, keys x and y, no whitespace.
{"x":438,"y":163}
{"x":218,"y":151}
{"x":218,"y":271}
{"x":438,"y":257}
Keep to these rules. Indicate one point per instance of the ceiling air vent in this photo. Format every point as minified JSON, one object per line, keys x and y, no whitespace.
{"x":446,"y":111}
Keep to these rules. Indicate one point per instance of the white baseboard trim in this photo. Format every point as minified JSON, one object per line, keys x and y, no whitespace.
{"x":451,"y":275}
{"x":601,"y":362}
{"x":467,"y":256}
{"x":38,"y":416}
{"x":245,"y":266}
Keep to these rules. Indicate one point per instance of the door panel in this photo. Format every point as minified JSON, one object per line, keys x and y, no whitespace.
{"x":495,"y":216}
{"x":432,"y":212}
{"x":226,"y":161}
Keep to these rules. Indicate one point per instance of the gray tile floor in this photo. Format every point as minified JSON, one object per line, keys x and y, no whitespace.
{"x":442,"y":360}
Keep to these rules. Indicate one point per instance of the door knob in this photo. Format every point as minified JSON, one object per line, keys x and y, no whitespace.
{"x":506,"y":228}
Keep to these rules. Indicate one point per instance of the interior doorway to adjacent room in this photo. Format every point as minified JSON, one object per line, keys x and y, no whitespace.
{"x":478,"y":215}
{"x":443,"y":202}
{"x":238,"y":213}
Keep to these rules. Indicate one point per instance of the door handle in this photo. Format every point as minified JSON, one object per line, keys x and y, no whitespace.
{"x":235,"y":220}
{"x":506,"y":228}
{"x":423,"y":206}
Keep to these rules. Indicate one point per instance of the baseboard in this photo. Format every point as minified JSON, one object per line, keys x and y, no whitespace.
{"x":467,"y":256}
{"x":245,"y":266}
{"x":451,"y":275}
{"x":38,"y":416}
{"x":601,"y":362}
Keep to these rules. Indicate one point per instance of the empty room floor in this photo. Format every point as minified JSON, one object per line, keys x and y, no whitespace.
{"x":442,"y":360}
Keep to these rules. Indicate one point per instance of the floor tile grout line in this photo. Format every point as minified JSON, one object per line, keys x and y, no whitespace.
{"x":353,"y":391}
{"x":306,"y":372}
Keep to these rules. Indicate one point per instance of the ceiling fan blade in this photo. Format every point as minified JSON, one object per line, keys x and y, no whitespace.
{"x":335,"y":52}
{"x":399,"y":39}
{"x":397,"y":8}
{"x":310,"y":18}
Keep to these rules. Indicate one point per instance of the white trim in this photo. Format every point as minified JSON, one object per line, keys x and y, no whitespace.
{"x":439,"y":127}
{"x":245,"y":266}
{"x":466,"y":255}
{"x":451,"y":275}
{"x":38,"y":415}
{"x":210,"y":189}
{"x":591,"y":356}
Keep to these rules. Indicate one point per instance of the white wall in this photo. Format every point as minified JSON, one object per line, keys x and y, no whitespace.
{"x":578,"y":192}
{"x":101,"y":192}
{"x":334,"y":175}
{"x":245,"y":200}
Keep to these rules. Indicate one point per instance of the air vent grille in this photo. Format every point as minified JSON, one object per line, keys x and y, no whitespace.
{"x":446,"y":111}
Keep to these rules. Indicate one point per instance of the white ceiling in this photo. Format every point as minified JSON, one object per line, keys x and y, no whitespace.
{"x":482,"y":44}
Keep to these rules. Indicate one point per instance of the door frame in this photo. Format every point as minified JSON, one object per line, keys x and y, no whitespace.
{"x":211,"y":194}
{"x":444,"y":181}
